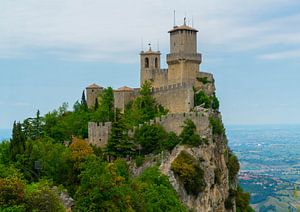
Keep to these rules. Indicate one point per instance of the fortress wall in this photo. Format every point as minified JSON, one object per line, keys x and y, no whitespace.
{"x":208,"y":88}
{"x":177,"y":98}
{"x":175,"y":123}
{"x":99,"y":133}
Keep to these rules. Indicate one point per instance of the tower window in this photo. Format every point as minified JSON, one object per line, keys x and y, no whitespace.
{"x":146,"y":62}
{"x":156,"y":62}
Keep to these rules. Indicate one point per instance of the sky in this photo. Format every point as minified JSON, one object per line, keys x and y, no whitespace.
{"x":50,"y":50}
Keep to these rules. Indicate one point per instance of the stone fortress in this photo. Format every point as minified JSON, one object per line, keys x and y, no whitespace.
{"x":174,"y":88}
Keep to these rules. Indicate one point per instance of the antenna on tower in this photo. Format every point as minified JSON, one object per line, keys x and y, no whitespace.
{"x":192,"y":21}
{"x":184,"y":18}
{"x":142,"y":44}
{"x":174,"y":24}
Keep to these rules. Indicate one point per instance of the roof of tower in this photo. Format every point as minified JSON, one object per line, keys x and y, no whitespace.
{"x":94,"y":86}
{"x":182,"y":27}
{"x":150,"y":52}
{"x":125,"y":88}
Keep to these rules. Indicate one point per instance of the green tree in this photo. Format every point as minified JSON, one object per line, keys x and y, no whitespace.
{"x":151,"y":138}
{"x":83,"y":101}
{"x":143,"y":108}
{"x":119,"y":143}
{"x":17,"y":143}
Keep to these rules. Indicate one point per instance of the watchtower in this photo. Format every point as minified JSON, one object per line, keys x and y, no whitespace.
{"x":183,"y":60}
{"x":150,"y":64}
{"x":92,"y":93}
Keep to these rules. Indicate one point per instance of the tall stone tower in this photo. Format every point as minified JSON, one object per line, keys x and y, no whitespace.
{"x":92,"y":93}
{"x":150,"y":65}
{"x":183,"y":60}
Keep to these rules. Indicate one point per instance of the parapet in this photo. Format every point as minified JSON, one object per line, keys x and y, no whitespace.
{"x":172,"y":87}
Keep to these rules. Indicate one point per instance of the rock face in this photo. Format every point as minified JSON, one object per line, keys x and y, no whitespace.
{"x":212,"y":158}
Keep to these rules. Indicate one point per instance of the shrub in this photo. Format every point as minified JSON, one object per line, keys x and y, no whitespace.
{"x":189,"y":173}
{"x":215,"y":104}
{"x":202,"y":99}
{"x":203,"y":80}
{"x":41,"y":197}
{"x":233,"y":166}
{"x":12,"y":191}
{"x":188,"y":135}
{"x":217,"y":126}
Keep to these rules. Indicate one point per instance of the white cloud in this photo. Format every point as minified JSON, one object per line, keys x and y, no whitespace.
{"x":97,"y":30}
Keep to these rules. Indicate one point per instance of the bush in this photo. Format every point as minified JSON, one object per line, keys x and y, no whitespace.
{"x":203,"y":80}
{"x":151,"y":138}
{"x":12,"y":191}
{"x":233,"y":166}
{"x":41,"y":197}
{"x":190,"y":174}
{"x":202,"y":99}
{"x":188,"y":135}
{"x":242,"y":200}
{"x":215,"y":104}
{"x":155,"y":193}
{"x":217,"y":126}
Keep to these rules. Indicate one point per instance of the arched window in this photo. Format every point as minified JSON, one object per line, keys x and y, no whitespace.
{"x":156,"y":62}
{"x":146,"y":62}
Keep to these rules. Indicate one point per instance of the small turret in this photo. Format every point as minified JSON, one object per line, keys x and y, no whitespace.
{"x":92,"y":93}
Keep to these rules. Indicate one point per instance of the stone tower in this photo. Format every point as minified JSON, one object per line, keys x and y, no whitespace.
{"x":183,"y":60}
{"x":150,"y":65}
{"x":92,"y":93}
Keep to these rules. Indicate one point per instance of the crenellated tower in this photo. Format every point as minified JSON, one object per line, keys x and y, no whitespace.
{"x":183,"y":60}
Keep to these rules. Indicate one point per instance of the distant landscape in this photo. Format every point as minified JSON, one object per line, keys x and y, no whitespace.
{"x":270,"y":164}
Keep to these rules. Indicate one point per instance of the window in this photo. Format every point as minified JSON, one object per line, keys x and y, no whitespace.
{"x":146,"y":62}
{"x":156,"y":62}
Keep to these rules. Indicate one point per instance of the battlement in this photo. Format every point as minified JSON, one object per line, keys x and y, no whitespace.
{"x":99,"y":133}
{"x":172,"y":87}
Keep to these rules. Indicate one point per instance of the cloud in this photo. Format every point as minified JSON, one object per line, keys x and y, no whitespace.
{"x":96,"y":30}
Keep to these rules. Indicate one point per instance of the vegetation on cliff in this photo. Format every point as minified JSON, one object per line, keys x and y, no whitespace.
{"x":49,"y":155}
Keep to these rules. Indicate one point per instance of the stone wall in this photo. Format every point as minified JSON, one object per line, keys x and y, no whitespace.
{"x":99,"y":133}
{"x":177,"y":98}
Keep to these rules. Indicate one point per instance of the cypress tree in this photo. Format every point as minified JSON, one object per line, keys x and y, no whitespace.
{"x":96,"y":104}
{"x":83,"y":101}
{"x":17,"y":143}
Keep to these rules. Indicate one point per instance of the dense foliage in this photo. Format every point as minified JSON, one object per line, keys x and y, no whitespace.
{"x":217,"y":126}
{"x":49,"y":152}
{"x":206,"y":101}
{"x":233,"y":166}
{"x":189,"y":135}
{"x":48,"y":155}
{"x":191,"y":175}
